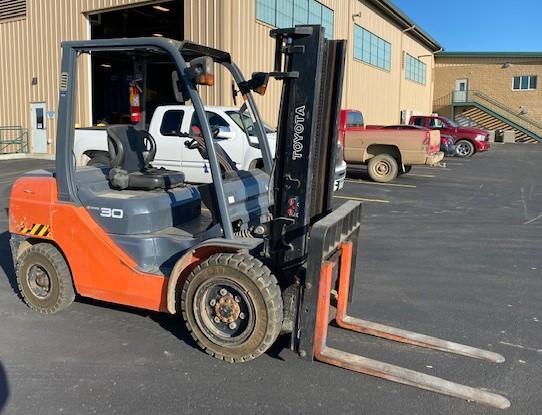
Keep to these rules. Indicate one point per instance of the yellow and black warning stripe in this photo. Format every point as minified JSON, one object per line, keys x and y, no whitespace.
{"x":36,"y":230}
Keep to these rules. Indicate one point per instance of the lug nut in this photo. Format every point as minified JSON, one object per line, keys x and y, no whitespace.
{"x":223,"y":292}
{"x":237,"y":299}
{"x":212,"y":302}
{"x":232,"y":326}
{"x":217,"y":320}
{"x":242,"y":316}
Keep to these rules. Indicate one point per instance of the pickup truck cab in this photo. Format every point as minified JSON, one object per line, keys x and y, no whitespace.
{"x":386,"y":152}
{"x":170,"y":121}
{"x":467,"y":140}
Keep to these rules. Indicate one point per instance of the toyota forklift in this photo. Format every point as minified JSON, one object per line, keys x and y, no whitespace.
{"x":251,"y":256}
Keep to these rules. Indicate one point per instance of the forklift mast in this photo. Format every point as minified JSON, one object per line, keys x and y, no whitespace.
{"x":312,"y":68}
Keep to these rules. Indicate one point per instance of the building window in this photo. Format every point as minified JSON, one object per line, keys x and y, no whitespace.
{"x":415,"y":69}
{"x":371,"y":49}
{"x":526,"y":82}
{"x":288,"y":13}
{"x":11,"y":9}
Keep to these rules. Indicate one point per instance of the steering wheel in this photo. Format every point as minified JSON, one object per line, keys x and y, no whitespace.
{"x":195,"y":132}
{"x":116,"y":151}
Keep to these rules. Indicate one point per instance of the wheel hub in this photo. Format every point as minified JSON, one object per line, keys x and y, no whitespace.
{"x":382,"y":168}
{"x":227,"y":310}
{"x":39,"y":281}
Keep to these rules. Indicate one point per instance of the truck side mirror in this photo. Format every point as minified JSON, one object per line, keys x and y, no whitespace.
{"x":202,"y":70}
{"x":225,"y":133}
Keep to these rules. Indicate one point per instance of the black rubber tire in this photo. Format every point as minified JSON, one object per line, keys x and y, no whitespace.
{"x":258,"y":285}
{"x":100,"y":160}
{"x":407,"y":170}
{"x":464,"y":149}
{"x":61,"y":292}
{"x":383,"y":168}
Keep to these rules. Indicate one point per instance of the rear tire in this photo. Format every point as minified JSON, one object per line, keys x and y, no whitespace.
{"x":464,"y":148}
{"x":100,"y":160}
{"x":383,"y":168}
{"x":232,"y":306}
{"x":44,"y":279}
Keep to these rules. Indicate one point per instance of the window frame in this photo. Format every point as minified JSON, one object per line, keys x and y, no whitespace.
{"x":412,"y":66}
{"x":295,"y":19}
{"x":530,"y":83}
{"x":179,"y":126}
{"x":370,"y":57}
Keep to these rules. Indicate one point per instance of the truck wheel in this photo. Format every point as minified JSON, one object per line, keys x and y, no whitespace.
{"x":44,"y":279}
{"x":232,"y":306}
{"x":464,"y":148}
{"x":383,"y":168}
{"x":100,"y":160}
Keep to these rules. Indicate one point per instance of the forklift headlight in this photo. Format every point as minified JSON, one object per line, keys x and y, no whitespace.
{"x":257,"y":83}
{"x":202,"y":70}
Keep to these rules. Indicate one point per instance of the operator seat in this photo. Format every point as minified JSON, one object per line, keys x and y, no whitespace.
{"x":131,"y":152}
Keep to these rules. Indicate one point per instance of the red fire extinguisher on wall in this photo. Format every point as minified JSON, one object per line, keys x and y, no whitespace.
{"x":135,"y":105}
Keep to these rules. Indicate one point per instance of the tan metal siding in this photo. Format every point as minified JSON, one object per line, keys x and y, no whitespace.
{"x":381,"y":95}
{"x":30,"y":47}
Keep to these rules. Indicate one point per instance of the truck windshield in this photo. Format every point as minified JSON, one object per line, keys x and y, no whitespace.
{"x":451,"y":123}
{"x":244,"y":121}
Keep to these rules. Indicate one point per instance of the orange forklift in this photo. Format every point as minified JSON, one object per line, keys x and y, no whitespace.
{"x":248,"y":257}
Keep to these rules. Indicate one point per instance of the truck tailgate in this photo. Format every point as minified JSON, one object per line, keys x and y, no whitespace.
{"x":434,"y":141}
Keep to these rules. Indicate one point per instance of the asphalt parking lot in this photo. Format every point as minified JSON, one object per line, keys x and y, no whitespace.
{"x":452,"y":252}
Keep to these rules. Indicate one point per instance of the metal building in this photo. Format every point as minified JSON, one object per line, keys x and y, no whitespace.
{"x":389,"y":71}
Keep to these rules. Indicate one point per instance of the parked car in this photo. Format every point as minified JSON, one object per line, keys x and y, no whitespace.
{"x":446,"y":142}
{"x":386,"y":153}
{"x":467,"y":140}
{"x":90,"y":146}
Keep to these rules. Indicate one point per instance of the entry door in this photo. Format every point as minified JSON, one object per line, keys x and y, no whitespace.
{"x":38,"y":127}
{"x":460,"y":93}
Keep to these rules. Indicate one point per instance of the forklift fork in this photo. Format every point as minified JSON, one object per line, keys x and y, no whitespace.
{"x":357,"y":363}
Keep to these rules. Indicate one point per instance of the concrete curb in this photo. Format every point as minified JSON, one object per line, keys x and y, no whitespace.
{"x":19,"y":156}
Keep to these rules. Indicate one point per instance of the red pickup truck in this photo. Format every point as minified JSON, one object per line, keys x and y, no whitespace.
{"x":467,"y":140}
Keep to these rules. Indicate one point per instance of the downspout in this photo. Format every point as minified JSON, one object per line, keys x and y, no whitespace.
{"x":432,"y":54}
{"x":401,"y":61}
{"x":433,"y":78}
{"x":350,"y":58}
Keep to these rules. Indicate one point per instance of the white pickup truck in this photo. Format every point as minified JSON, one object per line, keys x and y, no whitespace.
{"x":90,"y":146}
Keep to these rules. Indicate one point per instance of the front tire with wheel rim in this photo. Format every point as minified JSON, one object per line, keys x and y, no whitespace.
{"x":44,"y":279}
{"x":383,"y":168}
{"x":232,"y":306}
{"x":464,"y":148}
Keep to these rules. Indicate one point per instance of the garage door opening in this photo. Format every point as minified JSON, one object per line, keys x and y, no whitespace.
{"x":112,"y":74}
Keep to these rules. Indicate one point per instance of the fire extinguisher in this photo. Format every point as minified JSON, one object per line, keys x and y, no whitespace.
{"x":135,"y":106}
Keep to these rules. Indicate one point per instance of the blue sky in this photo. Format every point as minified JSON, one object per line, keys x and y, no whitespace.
{"x":479,"y":25}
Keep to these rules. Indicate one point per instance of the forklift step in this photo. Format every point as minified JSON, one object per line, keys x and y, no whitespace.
{"x":380,"y":369}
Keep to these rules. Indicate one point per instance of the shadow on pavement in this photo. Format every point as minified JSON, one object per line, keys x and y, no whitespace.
{"x":4,"y":389}
{"x":6,"y":261}
{"x":172,"y":323}
{"x":358,"y":173}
